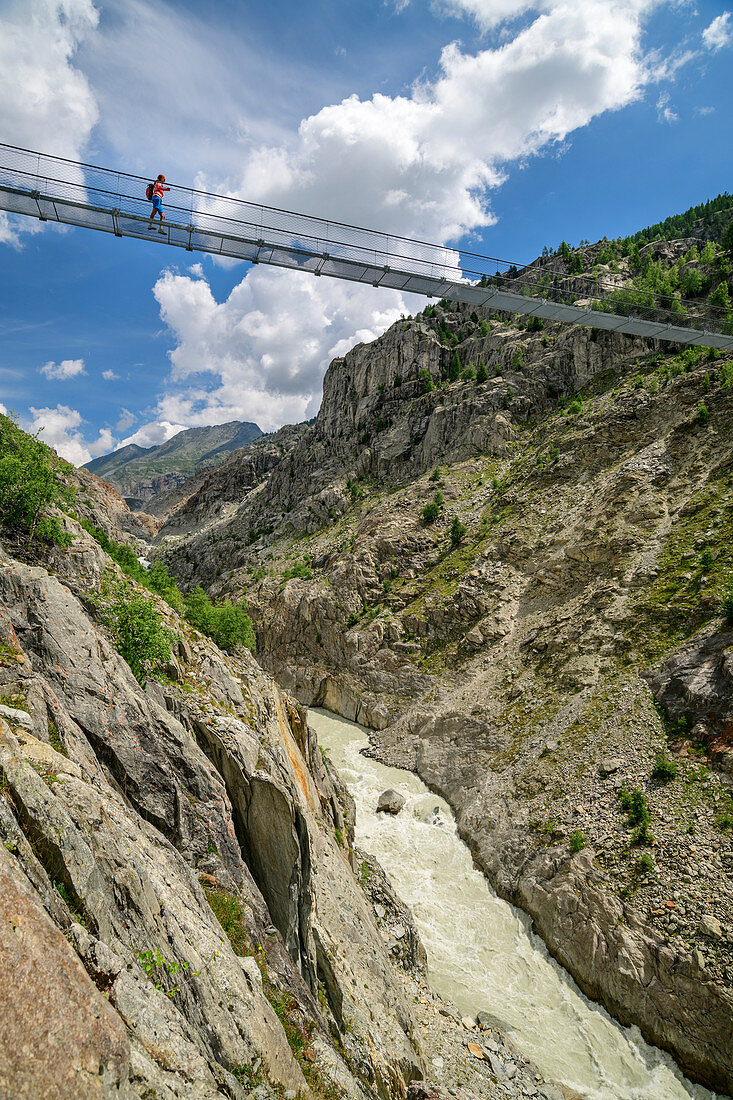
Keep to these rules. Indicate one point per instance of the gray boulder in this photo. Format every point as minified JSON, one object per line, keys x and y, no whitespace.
{"x":390,"y":802}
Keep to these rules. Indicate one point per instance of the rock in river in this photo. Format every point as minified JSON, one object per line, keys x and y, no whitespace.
{"x":390,"y":802}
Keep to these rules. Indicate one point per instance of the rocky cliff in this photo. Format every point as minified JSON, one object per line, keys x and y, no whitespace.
{"x":484,"y":547}
{"x":178,"y":912}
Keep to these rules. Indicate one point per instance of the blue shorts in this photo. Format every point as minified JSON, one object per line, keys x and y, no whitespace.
{"x":157,"y":203}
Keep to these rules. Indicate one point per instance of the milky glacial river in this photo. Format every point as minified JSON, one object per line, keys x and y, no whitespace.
{"x":481,"y":953}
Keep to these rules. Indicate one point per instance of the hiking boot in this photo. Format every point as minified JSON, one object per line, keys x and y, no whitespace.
{"x":151,"y":227}
{"x":162,"y":231}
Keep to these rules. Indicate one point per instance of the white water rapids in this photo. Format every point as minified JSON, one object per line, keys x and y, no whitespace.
{"x":481,"y":952}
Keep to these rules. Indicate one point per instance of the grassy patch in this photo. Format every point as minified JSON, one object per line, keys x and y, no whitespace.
{"x":54,"y":739}
{"x":227,"y":908}
{"x":10,"y":655}
{"x":299,"y":1037}
{"x":15,"y":700}
{"x":695,"y":573}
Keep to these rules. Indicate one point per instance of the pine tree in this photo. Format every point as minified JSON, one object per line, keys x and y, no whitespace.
{"x":720,"y":298}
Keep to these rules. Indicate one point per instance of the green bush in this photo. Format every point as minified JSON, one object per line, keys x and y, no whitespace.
{"x":32,"y":479}
{"x":457,"y":531}
{"x":577,"y":841}
{"x":138,"y":630}
{"x":431,"y":511}
{"x":664,"y":767}
{"x":641,"y":835}
{"x":227,"y":623}
{"x":300,"y":569}
{"x":160,"y":581}
{"x":634,"y":803}
{"x":646,"y":863}
{"x":455,"y":368}
{"x":125,"y":556}
{"x":482,"y":374}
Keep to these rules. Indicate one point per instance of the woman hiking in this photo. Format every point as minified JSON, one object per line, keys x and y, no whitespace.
{"x":157,"y":200}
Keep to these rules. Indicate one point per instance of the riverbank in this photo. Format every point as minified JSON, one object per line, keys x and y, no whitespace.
{"x":482,"y":954}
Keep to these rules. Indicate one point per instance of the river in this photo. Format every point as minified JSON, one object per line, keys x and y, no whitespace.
{"x":481,"y":951}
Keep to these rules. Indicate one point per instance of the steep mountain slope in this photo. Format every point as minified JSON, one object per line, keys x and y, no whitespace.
{"x":131,"y":820}
{"x":180,"y":910}
{"x":580,"y":530}
{"x":141,"y":472}
{"x":195,"y":501}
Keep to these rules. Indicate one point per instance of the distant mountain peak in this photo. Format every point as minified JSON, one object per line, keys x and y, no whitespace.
{"x":139,"y":472}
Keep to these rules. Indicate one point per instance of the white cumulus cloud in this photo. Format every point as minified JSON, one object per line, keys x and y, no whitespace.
{"x":154,"y":433}
{"x":719,"y":33}
{"x":46,"y":102}
{"x":265,"y":347}
{"x":60,"y":428}
{"x":109,"y":376}
{"x":67,"y":368}
{"x":127,"y":419}
{"x":421,"y":165}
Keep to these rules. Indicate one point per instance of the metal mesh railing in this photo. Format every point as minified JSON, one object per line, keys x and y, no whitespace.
{"x":55,"y":189}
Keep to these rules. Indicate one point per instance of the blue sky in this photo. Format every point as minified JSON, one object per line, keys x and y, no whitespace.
{"x":504,"y":125}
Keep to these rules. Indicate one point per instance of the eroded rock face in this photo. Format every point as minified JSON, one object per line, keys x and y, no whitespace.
{"x":126,"y":814}
{"x":58,"y":1035}
{"x":695,"y":684}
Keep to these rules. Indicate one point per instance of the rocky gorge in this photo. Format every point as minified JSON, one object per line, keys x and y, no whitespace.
{"x":505,"y":548}
{"x":180,"y":913}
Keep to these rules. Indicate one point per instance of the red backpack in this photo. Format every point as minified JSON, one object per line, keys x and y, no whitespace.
{"x":149,"y":191}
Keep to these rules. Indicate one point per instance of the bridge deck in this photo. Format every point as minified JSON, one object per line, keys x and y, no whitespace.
{"x":53,"y":189}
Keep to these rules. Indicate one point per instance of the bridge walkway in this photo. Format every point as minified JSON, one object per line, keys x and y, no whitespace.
{"x":72,"y":193}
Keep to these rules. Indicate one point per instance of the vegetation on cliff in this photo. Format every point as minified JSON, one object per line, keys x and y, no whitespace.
{"x":33,"y":480}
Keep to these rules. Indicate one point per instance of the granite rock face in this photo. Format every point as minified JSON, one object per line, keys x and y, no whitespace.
{"x":695,"y":685}
{"x":129,"y":819}
{"x":58,"y":1034}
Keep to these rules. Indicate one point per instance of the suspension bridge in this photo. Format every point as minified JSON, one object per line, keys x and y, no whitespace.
{"x":54,"y":189}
